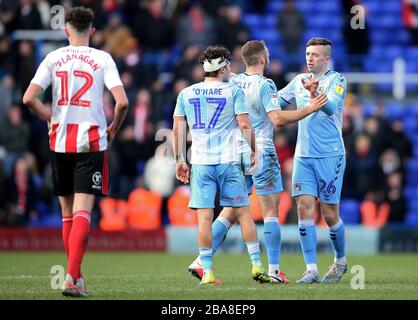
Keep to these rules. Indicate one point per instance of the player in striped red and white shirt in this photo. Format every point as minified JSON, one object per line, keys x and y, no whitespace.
{"x":78,"y":131}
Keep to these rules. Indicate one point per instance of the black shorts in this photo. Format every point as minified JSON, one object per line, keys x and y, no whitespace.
{"x":80,"y":173}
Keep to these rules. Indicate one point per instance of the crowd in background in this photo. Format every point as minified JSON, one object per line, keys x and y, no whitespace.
{"x":156,"y":45}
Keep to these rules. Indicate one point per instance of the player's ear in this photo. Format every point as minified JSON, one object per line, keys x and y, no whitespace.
{"x":92,"y":31}
{"x":66,"y":32}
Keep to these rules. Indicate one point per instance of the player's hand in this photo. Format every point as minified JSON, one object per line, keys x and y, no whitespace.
{"x":318,"y":102}
{"x":182,"y":172}
{"x":48,"y":123}
{"x":311,"y":85}
{"x":253,"y":162}
{"x":111,"y":132}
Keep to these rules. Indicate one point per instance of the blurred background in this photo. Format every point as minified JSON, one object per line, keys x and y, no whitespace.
{"x":155,"y":44}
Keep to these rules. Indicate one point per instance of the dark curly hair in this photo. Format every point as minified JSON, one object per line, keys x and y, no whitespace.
{"x":214,"y":53}
{"x":80,"y":18}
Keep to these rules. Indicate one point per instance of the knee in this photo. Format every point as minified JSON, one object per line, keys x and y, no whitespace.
{"x":330,"y":216}
{"x":305,"y":209}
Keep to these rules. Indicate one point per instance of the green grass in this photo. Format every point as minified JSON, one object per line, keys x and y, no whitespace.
{"x":163,"y":276}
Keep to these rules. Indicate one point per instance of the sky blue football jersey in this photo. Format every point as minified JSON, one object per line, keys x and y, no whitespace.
{"x":319,"y":134}
{"x":211,"y":108}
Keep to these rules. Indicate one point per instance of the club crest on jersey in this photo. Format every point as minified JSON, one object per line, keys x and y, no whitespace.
{"x":274,"y":98}
{"x":255,"y":108}
{"x":298,"y":186}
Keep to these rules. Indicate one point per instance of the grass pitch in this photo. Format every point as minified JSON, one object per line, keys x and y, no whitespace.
{"x":162,"y":276}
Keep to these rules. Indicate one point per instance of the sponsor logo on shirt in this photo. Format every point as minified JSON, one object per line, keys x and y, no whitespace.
{"x":339,"y":89}
{"x":97,"y":180}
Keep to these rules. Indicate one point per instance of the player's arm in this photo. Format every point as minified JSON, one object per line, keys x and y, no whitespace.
{"x":179,"y":140}
{"x":179,"y":137}
{"x":335,"y":94}
{"x":121,"y":108}
{"x":30,"y":99}
{"x":247,"y":130}
{"x":40,"y":82}
{"x":287,"y":94}
{"x":281,"y":118}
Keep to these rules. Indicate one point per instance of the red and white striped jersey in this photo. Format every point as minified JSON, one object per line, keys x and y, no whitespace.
{"x":78,"y":75}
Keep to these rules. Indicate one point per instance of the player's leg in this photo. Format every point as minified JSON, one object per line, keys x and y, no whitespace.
{"x":233,"y":193}
{"x":220,"y":228}
{"x":331,"y":172}
{"x":90,"y":178}
{"x":249,"y":235}
{"x":62,"y":178}
{"x":205,"y":219}
{"x":67,"y":219}
{"x":305,"y":191}
{"x":203,"y":186}
{"x":268,"y":185}
{"x":272,"y":235}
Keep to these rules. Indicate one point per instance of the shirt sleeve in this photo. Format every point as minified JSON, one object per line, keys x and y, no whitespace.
{"x":335,"y":94}
{"x":43,"y":75}
{"x":269,"y":96}
{"x":287,"y":94}
{"x":239,"y":101}
{"x":111,"y":74}
{"x":179,"y":109}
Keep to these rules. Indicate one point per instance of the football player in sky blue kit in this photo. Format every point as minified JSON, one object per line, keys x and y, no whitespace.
{"x":319,"y":161}
{"x":263,"y":105}
{"x":214,"y":110}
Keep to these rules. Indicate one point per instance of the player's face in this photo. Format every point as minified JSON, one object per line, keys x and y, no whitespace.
{"x":316,"y":60}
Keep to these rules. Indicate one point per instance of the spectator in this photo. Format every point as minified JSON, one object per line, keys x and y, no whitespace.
{"x":232,"y":31}
{"x":390,"y":162}
{"x":356,"y":40}
{"x":277,"y":74}
{"x":395,"y":198}
{"x":283,"y":148}
{"x":9,"y":10}
{"x":6,"y":94}
{"x":160,"y":171}
{"x":291,"y":25}
{"x":410,"y":18}
{"x":188,"y":61}
{"x":117,"y":37}
{"x":372,"y":129}
{"x":25,"y":65}
{"x":196,"y":28}
{"x":362,"y":175}
{"x":152,"y":29}
{"x":398,"y":141}
{"x":15,"y":133}
{"x":20,"y":194}
{"x":28,"y":15}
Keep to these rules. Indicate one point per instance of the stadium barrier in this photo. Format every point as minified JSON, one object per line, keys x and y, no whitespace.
{"x":23,"y":239}
{"x":360,"y":240}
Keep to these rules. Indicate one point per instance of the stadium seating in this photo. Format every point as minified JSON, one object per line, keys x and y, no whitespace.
{"x":144,"y":209}
{"x":179,"y":213}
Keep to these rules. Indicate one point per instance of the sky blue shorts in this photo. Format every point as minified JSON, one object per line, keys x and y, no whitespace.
{"x":319,"y":177}
{"x":267,"y":177}
{"x":206,"y":179}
